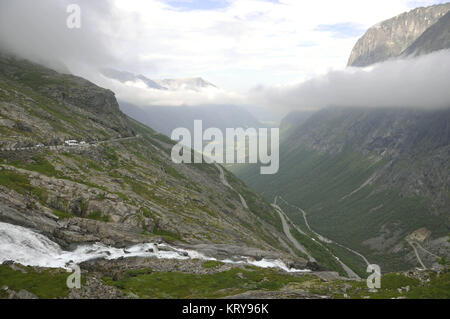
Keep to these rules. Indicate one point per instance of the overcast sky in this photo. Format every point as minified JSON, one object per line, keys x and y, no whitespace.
{"x":236,"y":44}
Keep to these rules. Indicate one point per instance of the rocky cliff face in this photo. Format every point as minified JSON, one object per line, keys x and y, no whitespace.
{"x":436,"y":37}
{"x":66,"y":105}
{"x":390,"y":38}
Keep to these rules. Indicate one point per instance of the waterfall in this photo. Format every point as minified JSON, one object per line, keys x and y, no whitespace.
{"x":29,"y":248}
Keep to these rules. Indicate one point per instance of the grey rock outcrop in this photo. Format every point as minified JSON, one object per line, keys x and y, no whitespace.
{"x":436,"y":37}
{"x":390,"y":38}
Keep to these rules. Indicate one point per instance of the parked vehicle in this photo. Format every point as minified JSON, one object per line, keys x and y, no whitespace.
{"x":71,"y":143}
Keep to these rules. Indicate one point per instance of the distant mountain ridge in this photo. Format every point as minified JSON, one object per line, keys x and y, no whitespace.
{"x":164,"y":119}
{"x":185,"y":84}
{"x":124,"y":76}
{"x":390,"y":38}
{"x":192,"y":84}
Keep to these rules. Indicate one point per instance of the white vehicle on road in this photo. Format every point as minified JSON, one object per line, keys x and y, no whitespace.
{"x":71,"y":143}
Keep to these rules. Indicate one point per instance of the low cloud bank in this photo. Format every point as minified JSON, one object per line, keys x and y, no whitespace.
{"x":421,"y":82}
{"x":37,"y":31}
{"x":138,"y":94}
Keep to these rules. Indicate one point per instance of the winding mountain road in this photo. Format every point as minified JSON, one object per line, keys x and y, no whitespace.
{"x":348,"y":270}
{"x":324,"y":239}
{"x":288,"y":234}
{"x":414,"y":244}
{"x":427,"y":251}
{"x":417,"y":254}
{"x":225,"y":182}
{"x":63,"y":146}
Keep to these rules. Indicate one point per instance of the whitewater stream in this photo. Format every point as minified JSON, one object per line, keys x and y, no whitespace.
{"x":29,"y":248}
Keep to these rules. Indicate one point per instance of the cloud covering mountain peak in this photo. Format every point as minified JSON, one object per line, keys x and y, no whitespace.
{"x":418,"y":82}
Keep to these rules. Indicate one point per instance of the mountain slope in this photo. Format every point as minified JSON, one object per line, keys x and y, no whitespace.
{"x":121,"y":187}
{"x":390,"y":38}
{"x":367,"y":178}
